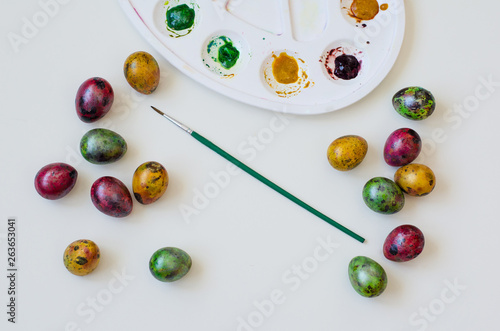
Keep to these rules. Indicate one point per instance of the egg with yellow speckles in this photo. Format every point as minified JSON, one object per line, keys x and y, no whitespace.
{"x":81,"y":257}
{"x":149,"y":182}
{"x":415,"y":179}
{"x":142,"y":72}
{"x":347,"y":152}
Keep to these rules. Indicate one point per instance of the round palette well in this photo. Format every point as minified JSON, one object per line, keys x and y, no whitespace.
{"x":235,"y":47}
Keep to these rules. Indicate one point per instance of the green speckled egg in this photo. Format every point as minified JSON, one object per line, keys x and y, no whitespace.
{"x":169,"y":264}
{"x":383,"y":195}
{"x":102,"y":146}
{"x":415,"y":103}
{"x":367,"y":277}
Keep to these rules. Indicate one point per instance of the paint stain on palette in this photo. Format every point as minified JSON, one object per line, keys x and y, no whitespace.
{"x":343,"y":63}
{"x":225,"y":53}
{"x":181,"y":17}
{"x":286,"y":73}
{"x":358,"y":11}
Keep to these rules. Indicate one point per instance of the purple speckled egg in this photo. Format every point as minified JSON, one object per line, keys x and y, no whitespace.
{"x":55,"y":180}
{"x":404,"y":243}
{"x":93,"y":99}
{"x":402,"y":147}
{"x":111,"y":197}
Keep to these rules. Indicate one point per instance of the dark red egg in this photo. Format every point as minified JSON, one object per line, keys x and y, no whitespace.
{"x":404,"y":243}
{"x":93,"y":99}
{"x":111,"y":197}
{"x":55,"y":180}
{"x":402,"y":147}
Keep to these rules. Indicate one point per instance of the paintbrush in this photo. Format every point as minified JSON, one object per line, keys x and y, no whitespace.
{"x":258,"y":176}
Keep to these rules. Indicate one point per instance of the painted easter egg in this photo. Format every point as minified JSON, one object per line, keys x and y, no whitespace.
{"x":149,"y":182}
{"x":383,"y":196}
{"x":415,"y":103}
{"x":169,"y":264}
{"x":55,"y":180}
{"x":415,"y":179}
{"x":367,"y":277}
{"x":404,"y":243}
{"x":111,"y":197}
{"x":142,"y":72}
{"x":402,"y":147}
{"x":102,"y":146}
{"x":347,"y":152}
{"x":93,"y":99}
{"x":81,"y":257}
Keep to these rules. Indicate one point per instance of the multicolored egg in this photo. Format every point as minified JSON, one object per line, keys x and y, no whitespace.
{"x":169,"y":264}
{"x":55,"y":180}
{"x":402,"y":147}
{"x":94,"y":99}
{"x":111,"y":197}
{"x":149,"y":182}
{"x":415,"y":179}
{"x":142,"y":72}
{"x":102,"y":146}
{"x":383,"y":196}
{"x":81,"y":257}
{"x":414,"y":103}
{"x":347,"y":152}
{"x":367,"y":277}
{"x":404,"y":243}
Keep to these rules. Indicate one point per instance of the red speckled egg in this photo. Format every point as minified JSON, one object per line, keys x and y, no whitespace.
{"x":55,"y":180}
{"x":93,"y":99}
{"x":402,"y":147}
{"x":111,"y":197}
{"x":404,"y":243}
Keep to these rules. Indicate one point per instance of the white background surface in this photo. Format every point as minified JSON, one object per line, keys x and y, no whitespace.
{"x":247,"y":240}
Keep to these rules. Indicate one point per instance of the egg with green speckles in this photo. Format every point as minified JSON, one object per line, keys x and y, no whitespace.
{"x":149,"y":182}
{"x":415,"y":103}
{"x":383,"y":196}
{"x":367,"y":277}
{"x":102,"y":146}
{"x":81,"y":257}
{"x":415,"y":179}
{"x":169,"y":264}
{"x":142,"y":72}
{"x":347,"y":152}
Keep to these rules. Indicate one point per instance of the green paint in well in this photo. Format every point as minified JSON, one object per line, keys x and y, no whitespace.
{"x":180,"y":17}
{"x":227,"y":53}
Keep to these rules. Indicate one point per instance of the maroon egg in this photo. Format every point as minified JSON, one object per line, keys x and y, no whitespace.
{"x":55,"y":180}
{"x":402,"y":147}
{"x":111,"y":197}
{"x":93,"y":99}
{"x":404,"y":243}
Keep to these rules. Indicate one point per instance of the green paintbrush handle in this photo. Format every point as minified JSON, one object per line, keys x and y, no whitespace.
{"x":275,"y":187}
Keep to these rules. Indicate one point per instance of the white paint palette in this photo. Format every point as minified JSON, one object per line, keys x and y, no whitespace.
{"x":313,"y":32}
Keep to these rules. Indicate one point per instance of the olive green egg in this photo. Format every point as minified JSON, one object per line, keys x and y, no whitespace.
{"x":367,"y":277}
{"x":102,"y":146}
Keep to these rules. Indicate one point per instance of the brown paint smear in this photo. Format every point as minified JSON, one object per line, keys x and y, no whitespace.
{"x":384,"y":6}
{"x":285,"y":69}
{"x":364,"y":9}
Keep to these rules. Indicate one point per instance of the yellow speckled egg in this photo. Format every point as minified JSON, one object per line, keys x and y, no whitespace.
{"x":142,"y":72}
{"x":347,"y":152}
{"x":149,"y":183}
{"x":415,"y":179}
{"x":81,"y":257}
